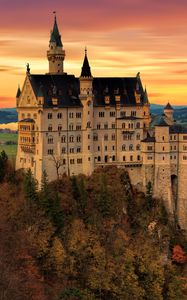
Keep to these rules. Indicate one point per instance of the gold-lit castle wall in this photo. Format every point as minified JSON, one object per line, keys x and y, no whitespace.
{"x":74,"y":125}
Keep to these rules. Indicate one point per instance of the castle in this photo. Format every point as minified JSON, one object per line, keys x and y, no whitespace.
{"x":74,"y":125}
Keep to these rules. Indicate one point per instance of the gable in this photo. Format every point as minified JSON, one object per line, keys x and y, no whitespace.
{"x":27,"y":97}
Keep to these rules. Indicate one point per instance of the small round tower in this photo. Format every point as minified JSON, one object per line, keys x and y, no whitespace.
{"x":168,"y":112}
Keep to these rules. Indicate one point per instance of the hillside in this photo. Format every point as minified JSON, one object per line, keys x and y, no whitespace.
{"x":180,"y":112}
{"x":87,"y":238}
{"x":8,"y":115}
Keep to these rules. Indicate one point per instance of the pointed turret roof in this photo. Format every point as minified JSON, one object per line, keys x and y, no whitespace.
{"x":146,"y":100}
{"x":55,"y":35}
{"x":168,"y":107}
{"x":18,"y":92}
{"x":86,"y":72}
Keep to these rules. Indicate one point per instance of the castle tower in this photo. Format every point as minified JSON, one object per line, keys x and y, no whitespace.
{"x":55,"y":54}
{"x":162,"y":176}
{"x":86,"y":97}
{"x":168,"y":111}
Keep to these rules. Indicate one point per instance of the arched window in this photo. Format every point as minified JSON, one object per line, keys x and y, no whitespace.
{"x":78,"y":139}
{"x":138,"y":125}
{"x":138,"y":147}
{"x":59,"y":127}
{"x":138,"y":136}
{"x":63,"y":150}
{"x":63,"y":139}
{"x":123,"y":147}
{"x":130,"y":147}
{"x":70,"y":127}
{"x":123,"y":125}
{"x":138,"y":157}
{"x":50,"y":128}
{"x":99,"y":158}
{"x":71,"y":139}
{"x":113,"y":137}
{"x":88,"y":124}
{"x":50,"y":140}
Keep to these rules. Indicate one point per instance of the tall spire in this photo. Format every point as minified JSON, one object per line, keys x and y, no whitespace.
{"x":86,"y":72}
{"x":55,"y":35}
{"x":55,"y":54}
{"x":18,"y":92}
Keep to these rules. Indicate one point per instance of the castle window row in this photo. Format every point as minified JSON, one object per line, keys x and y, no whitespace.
{"x":173,"y":147}
{"x":72,"y":161}
{"x":98,"y":126}
{"x":25,"y":140}
{"x":71,"y":139}
{"x":106,"y":148}
{"x":23,"y":116}
{"x":26,"y":127}
{"x":173,"y":157}
{"x":132,"y":158}
{"x":71,"y":127}
{"x":130,"y":125}
{"x":71,"y":150}
{"x":149,"y":148}
{"x":173,"y":137}
{"x":60,"y":115}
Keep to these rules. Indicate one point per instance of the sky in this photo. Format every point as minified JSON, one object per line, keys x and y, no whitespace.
{"x":123,"y":37}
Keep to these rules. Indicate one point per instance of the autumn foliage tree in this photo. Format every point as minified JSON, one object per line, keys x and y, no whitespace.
{"x":178,"y":255}
{"x":85,"y":238}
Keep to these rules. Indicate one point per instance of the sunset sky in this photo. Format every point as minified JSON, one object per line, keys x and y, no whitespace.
{"x":123,"y":37}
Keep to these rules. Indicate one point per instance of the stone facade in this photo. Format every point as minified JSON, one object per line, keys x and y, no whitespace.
{"x":87,"y":122}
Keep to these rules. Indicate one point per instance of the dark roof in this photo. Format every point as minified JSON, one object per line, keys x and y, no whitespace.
{"x":177,"y":128}
{"x":28,"y":120}
{"x":162,"y":122}
{"x":86,"y":72}
{"x":113,"y":86}
{"x":63,"y":87}
{"x":18,"y":92}
{"x":55,"y":36}
{"x":40,"y":91}
{"x":168,"y":107}
{"x":149,"y":139}
{"x":159,"y":120}
{"x":66,"y":88}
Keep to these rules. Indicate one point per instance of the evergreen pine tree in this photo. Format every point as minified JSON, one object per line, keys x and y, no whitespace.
{"x":30,"y":187}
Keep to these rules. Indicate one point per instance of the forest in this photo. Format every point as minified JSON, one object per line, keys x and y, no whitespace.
{"x":90,"y":238}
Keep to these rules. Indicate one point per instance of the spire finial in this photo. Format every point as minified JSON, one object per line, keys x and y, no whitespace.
{"x":85,"y":51}
{"x":28,"y":68}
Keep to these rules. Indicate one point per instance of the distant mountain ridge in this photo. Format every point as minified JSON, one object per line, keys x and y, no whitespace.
{"x":9,"y":115}
{"x":180,"y":112}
